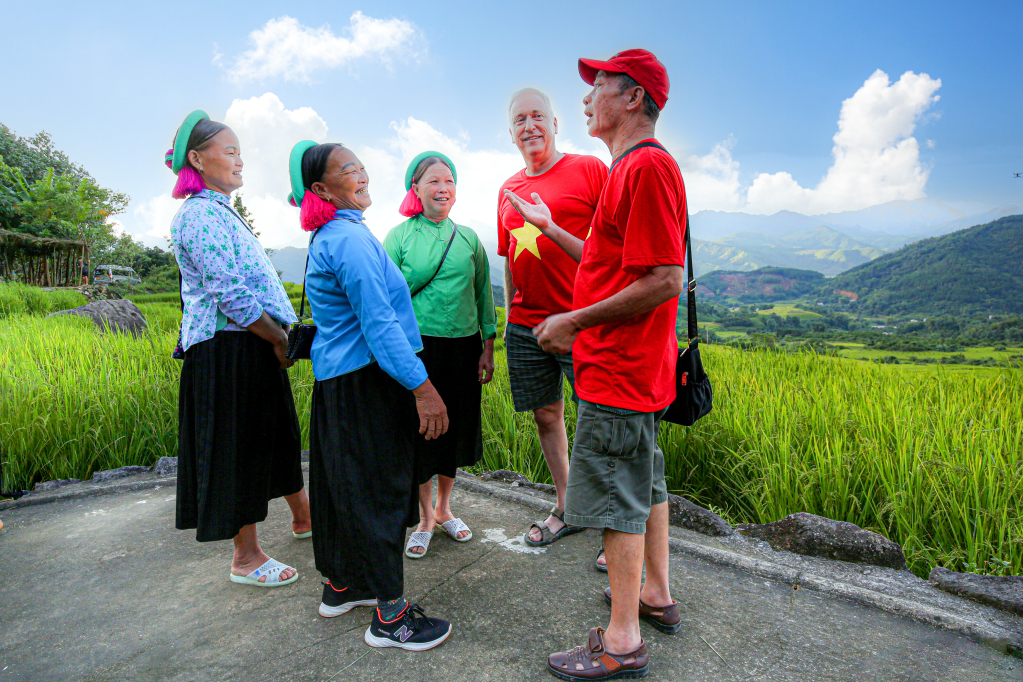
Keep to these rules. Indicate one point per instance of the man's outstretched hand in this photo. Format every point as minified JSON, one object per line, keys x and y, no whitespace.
{"x":537,"y":214}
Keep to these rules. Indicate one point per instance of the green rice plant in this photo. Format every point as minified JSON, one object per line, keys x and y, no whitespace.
{"x":509,"y":438}
{"x":11,"y":302}
{"x":75,"y":401}
{"x":17,"y":298}
{"x":933,"y":461}
{"x":165,"y":297}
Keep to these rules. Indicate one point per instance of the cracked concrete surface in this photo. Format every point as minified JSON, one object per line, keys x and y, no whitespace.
{"x":103,"y":588}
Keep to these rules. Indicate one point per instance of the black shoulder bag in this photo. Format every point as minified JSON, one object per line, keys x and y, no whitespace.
{"x":694,"y":395}
{"x":300,"y":336}
{"x":451,"y":240}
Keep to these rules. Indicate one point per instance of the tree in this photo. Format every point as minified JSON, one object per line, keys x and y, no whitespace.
{"x":244,"y":213}
{"x":90,"y":211}
{"x":35,"y":155}
{"x":67,"y":207}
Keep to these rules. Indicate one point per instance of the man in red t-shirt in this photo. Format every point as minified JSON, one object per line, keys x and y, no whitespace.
{"x":623,"y":329}
{"x":538,"y":279}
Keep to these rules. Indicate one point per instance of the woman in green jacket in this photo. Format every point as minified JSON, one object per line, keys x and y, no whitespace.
{"x":449,"y":277}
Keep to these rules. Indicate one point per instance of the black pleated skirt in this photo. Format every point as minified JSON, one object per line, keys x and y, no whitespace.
{"x":239,"y":443}
{"x":453,"y":367}
{"x":362,"y":491}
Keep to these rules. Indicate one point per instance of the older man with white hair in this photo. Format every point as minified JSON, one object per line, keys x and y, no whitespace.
{"x":538,"y":281}
{"x":622,"y":335}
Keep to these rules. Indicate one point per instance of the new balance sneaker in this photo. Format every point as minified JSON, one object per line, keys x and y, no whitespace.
{"x":411,"y":630}
{"x":336,"y":602}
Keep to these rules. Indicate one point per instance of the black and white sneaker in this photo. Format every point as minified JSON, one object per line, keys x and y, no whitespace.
{"x":411,"y":630}
{"x":336,"y":602}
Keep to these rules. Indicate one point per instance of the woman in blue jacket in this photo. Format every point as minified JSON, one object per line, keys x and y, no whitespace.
{"x":370,"y":385}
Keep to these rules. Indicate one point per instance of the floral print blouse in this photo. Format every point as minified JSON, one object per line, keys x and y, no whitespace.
{"x":227,"y":278}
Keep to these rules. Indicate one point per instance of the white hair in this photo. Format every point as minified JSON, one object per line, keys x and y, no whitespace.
{"x":531,"y":91}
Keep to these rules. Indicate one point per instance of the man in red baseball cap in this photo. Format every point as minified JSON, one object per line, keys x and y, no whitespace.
{"x":621,"y":332}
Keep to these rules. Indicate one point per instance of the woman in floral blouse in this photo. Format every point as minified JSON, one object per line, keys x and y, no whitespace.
{"x":239,"y":443}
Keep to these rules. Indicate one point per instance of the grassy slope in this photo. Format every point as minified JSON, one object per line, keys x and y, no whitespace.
{"x":786,"y":309}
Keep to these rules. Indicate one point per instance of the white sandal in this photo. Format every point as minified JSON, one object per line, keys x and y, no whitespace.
{"x":454,"y":527}
{"x":302,"y":536}
{"x":418,"y":539}
{"x":272,"y":569}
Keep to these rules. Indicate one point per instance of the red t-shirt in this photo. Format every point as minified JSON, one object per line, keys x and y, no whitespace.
{"x":543,"y":274}
{"x":639,"y":224}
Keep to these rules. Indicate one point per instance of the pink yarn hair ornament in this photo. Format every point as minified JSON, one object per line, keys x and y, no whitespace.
{"x":411,"y":206}
{"x":189,"y":181}
{"x":316,"y":212}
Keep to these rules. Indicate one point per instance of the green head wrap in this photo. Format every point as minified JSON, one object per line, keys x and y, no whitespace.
{"x":425,"y":155}
{"x":295,"y":169}
{"x":177,"y":161}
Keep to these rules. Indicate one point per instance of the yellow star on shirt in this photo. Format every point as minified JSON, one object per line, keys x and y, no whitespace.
{"x":525,"y":240}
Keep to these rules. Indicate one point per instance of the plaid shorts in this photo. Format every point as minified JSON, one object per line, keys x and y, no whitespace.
{"x":537,"y":377}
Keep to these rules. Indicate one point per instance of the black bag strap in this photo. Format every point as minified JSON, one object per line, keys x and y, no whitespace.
{"x":451,"y":240}
{"x":693,"y":329}
{"x":301,"y":306}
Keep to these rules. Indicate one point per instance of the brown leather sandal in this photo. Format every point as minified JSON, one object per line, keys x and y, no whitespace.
{"x":667,"y":619}
{"x":546,"y":536}
{"x":592,"y":661}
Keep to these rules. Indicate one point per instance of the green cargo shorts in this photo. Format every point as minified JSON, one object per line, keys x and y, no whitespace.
{"x":617,"y":471}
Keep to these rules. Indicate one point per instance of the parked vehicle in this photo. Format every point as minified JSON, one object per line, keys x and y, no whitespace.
{"x":110,"y":274}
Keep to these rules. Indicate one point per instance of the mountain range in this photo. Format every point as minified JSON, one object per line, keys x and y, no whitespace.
{"x":975,"y":271}
{"x":830,"y":244}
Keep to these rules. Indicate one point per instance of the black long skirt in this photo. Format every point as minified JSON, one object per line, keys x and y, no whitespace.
{"x":239,"y":443}
{"x":361,"y":487}
{"x":453,"y":367}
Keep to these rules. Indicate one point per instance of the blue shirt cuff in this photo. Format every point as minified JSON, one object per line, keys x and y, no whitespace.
{"x":416,"y":378}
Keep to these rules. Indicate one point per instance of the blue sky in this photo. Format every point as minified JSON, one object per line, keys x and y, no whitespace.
{"x":757,"y":93}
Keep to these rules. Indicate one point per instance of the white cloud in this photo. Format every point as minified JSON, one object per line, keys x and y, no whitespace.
{"x":156,"y":214}
{"x":267,"y":132}
{"x":712,"y":181}
{"x":285,"y":48}
{"x":876,"y":159}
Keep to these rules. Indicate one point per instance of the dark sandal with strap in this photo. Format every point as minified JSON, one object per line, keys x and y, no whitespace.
{"x":546,"y":536}
{"x":667,"y":619}
{"x":592,"y":661}
{"x":602,"y":567}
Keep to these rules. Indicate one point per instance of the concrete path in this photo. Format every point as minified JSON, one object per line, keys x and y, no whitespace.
{"x":103,"y":588}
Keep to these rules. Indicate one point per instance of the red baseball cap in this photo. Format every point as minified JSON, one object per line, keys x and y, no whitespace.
{"x":642,"y":66}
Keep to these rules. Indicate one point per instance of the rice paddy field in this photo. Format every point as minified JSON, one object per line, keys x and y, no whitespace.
{"x":788,"y":310}
{"x":932,"y":458}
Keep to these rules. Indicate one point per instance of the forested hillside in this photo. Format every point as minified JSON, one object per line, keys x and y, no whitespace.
{"x":764,"y":284}
{"x":974,"y":271}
